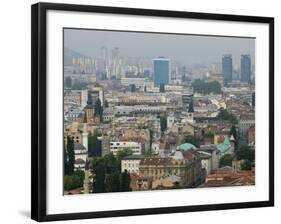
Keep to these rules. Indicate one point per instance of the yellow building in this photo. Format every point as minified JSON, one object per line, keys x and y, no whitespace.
{"x":184,"y":164}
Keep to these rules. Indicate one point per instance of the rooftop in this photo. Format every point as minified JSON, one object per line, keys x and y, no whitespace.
{"x":133,"y":157}
{"x":225,"y":146}
{"x":187,"y":146}
{"x":78,"y":146}
{"x":228,"y":177}
{"x":155,"y":161}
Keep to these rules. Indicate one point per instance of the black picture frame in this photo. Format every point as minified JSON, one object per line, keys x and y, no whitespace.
{"x":39,"y":108}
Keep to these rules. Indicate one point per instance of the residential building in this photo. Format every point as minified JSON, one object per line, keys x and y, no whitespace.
{"x":228,"y":177}
{"x":209,"y":157}
{"x":184,"y":164}
{"x":118,"y":146}
{"x":245,"y":122}
{"x":74,"y":114}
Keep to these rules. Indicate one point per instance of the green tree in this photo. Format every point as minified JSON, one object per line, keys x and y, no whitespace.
{"x":225,"y":160}
{"x":71,"y":182}
{"x":111,"y":162}
{"x":192,"y":140}
{"x":92,"y":143}
{"x":98,"y":108}
{"x":200,"y":86}
{"x":225,"y":115}
{"x":125,"y":181}
{"x":191,"y":107}
{"x":65,"y":161}
{"x":80,"y":174}
{"x":246,"y":153}
{"x":99,"y":181}
{"x":246,"y":165}
{"x":162,"y":88}
{"x":209,"y":134}
{"x":70,"y":154}
{"x":121,"y":154}
{"x":74,"y":181}
{"x":163,"y":123}
{"x":107,"y":172}
{"x":112,"y":182}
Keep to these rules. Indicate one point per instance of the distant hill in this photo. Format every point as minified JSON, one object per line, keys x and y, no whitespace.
{"x":70,"y":54}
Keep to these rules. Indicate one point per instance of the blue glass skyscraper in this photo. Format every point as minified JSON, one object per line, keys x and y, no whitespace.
{"x":161,"y":68}
{"x":245,"y":67}
{"x":227,"y":68}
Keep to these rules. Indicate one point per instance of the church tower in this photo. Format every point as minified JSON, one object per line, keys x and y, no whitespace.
{"x":190,"y":111}
{"x":89,"y":113}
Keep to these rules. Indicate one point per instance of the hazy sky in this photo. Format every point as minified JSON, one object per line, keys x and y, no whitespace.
{"x":187,"y":49}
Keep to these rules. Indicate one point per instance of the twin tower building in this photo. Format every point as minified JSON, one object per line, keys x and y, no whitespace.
{"x":245,"y":68}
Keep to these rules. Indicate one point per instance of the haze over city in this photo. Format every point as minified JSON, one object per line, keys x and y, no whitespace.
{"x":189,"y":50}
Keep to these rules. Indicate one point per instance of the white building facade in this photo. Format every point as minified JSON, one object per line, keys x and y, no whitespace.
{"x":131,"y":164}
{"x":119,"y":146}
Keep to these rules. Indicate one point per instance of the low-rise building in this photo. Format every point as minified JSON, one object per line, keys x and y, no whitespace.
{"x":184,"y":164}
{"x":143,"y":183}
{"x":245,"y":122}
{"x":74,"y":114}
{"x":108,"y":114}
{"x":119,"y":146}
{"x":131,"y":164}
{"x":228,"y":177}
{"x":209,"y":157}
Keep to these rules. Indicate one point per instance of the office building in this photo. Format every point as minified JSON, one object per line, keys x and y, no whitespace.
{"x":245,"y":68}
{"x":162,"y":71}
{"x":227,"y":68}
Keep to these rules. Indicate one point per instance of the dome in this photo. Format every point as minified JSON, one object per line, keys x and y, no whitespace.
{"x":78,"y":146}
{"x":79,"y":161}
{"x":187,"y":146}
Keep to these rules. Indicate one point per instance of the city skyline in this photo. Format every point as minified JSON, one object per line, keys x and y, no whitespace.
{"x":189,"y":50}
{"x":136,"y":119}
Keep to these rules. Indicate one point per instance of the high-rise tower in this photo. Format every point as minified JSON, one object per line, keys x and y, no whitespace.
{"x":162,"y":71}
{"x":245,"y":67}
{"x":227,"y":68}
